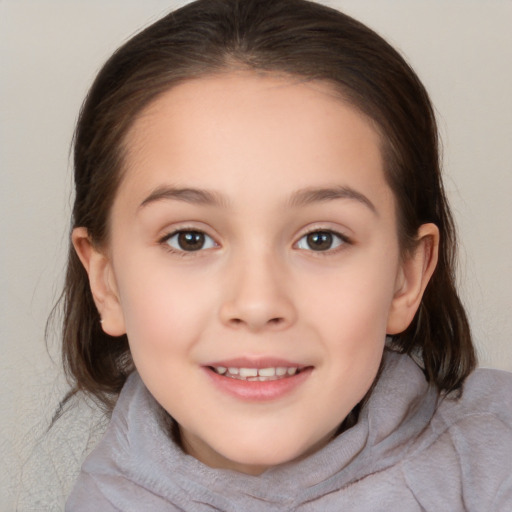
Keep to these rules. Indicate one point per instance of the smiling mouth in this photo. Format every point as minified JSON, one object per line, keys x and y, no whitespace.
{"x":257,"y":374}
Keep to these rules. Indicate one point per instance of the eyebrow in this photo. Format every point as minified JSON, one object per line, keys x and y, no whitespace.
{"x":302,"y":197}
{"x":315,"y":195}
{"x":187,"y":195}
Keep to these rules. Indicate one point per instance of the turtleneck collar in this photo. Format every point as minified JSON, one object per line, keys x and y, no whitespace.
{"x":139,"y":455}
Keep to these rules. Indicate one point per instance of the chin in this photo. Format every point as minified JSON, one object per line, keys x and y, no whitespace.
{"x":258,"y":464}
{"x":257,"y":458}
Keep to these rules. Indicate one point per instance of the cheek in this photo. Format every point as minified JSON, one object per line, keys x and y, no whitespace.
{"x":355,"y":299}
{"x":165,"y":310}
{"x":351,"y":318}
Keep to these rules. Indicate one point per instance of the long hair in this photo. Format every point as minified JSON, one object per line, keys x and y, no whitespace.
{"x":294,"y":38}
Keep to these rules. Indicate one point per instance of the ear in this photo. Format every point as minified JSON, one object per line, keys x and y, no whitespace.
{"x":101,"y":281}
{"x":412,"y":279}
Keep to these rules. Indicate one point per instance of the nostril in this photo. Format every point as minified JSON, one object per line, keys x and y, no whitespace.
{"x":271,"y":321}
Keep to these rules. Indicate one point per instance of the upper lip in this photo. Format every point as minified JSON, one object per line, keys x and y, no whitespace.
{"x":256,"y":362}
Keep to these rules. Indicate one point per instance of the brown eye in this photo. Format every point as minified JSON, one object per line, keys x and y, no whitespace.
{"x":321,"y":241}
{"x":190,"y":241}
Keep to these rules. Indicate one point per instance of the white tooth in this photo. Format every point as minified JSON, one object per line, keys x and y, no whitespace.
{"x":292,"y":371}
{"x":233,"y":371}
{"x":248,"y":372}
{"x":280,"y":371}
{"x":221,"y":370}
{"x":267,"y":372}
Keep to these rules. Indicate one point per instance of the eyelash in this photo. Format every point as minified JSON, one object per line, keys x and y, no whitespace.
{"x":184,"y":231}
{"x":341,"y":241}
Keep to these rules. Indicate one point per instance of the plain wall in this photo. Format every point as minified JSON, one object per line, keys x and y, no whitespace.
{"x":49,"y":53}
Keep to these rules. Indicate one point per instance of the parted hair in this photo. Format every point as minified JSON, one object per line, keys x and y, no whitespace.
{"x":295,"y":38}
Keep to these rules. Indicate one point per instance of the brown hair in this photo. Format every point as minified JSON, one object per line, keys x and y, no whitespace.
{"x":292,"y":37}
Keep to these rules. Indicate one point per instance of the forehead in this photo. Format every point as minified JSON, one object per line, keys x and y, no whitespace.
{"x":226,"y":130}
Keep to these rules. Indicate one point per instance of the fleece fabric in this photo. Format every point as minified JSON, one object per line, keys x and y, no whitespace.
{"x":409,"y":451}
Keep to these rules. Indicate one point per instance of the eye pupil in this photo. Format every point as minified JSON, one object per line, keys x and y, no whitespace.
{"x":191,"y":240}
{"x":320,"y":240}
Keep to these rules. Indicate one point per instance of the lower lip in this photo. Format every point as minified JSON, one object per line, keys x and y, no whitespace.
{"x":258,"y":390}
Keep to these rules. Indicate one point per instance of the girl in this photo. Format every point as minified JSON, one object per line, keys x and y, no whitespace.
{"x":261,"y":279}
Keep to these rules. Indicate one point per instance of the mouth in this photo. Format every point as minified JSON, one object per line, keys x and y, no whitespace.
{"x":256,"y":379}
{"x":271,"y":373}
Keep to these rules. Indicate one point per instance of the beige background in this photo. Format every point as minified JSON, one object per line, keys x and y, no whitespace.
{"x":50,"y":52}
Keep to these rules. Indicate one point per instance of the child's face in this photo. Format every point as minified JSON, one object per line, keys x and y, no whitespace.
{"x":254,"y":229}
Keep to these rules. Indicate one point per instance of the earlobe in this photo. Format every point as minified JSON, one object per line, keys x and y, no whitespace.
{"x":413,"y":278}
{"x":101,"y":281}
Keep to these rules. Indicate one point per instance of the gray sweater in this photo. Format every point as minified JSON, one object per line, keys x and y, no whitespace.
{"x":409,"y":451}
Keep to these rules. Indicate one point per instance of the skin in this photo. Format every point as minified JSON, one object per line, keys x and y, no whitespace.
{"x":258,"y":145}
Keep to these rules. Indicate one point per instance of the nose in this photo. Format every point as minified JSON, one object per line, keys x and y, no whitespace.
{"x":257,"y":296}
